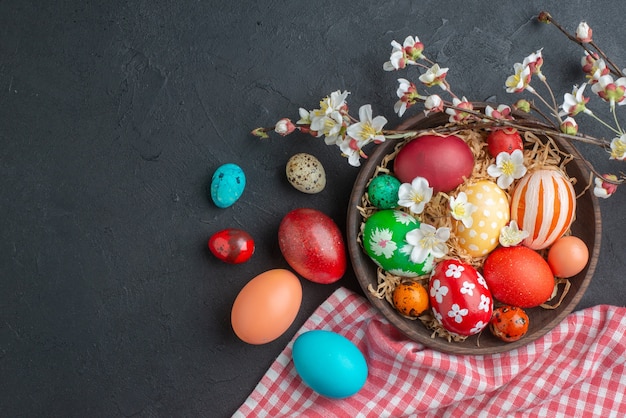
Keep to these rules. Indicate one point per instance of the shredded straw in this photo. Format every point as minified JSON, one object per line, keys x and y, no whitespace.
{"x":538,"y":154}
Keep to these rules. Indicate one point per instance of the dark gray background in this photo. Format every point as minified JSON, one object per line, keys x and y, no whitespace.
{"x":113,"y":117}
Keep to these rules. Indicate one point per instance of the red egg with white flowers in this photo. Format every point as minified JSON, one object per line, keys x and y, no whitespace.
{"x":445,"y":161}
{"x":459,"y":298}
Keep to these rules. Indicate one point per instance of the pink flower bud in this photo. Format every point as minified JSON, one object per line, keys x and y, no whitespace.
{"x":584,"y":33}
{"x":522,"y":105}
{"x":569,"y":126}
{"x":284,"y":127}
{"x":603,"y":188}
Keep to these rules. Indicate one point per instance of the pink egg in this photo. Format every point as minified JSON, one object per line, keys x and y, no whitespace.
{"x":444,"y":161}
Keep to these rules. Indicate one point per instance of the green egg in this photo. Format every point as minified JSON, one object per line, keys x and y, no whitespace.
{"x":384,"y":242}
{"x":383,"y":191}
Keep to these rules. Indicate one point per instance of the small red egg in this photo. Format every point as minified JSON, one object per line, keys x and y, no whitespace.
{"x":444,"y":161}
{"x":568,"y":256}
{"x":232,"y":245}
{"x":504,"y":140}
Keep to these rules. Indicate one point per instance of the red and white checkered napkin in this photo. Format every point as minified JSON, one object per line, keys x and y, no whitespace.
{"x":576,"y":370}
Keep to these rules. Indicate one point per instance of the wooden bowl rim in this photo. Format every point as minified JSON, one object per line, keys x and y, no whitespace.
{"x":412,"y":328}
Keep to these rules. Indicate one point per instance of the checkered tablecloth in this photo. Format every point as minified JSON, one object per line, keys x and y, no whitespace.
{"x":576,"y":370}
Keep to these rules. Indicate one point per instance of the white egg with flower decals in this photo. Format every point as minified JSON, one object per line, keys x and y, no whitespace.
{"x":459,"y":298}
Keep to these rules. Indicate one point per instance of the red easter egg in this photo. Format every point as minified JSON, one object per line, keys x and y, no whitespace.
{"x":544,"y":205}
{"x":460,"y":298}
{"x":518,"y":276}
{"x":313,"y":246}
{"x":444,"y":161}
{"x":504,"y":140}
{"x":232,"y":245}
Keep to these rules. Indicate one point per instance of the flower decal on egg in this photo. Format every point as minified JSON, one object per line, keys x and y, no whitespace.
{"x":454,"y":271}
{"x":457,"y":313}
{"x":438,"y":291}
{"x":468,"y":288}
{"x":485,"y":303}
{"x":382,"y":243}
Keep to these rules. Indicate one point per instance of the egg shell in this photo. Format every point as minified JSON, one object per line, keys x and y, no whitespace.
{"x":266,"y":306}
{"x":568,"y":256}
{"x":306,"y":173}
{"x":444,"y":161}
{"x":491,"y":215}
{"x":518,"y":276}
{"x":329,"y":363}
{"x":232,"y":245}
{"x":312,"y":245}
{"x":543,"y":204}
{"x":383,"y":191}
{"x":459,"y":298}
{"x":384,"y":242}
{"x":227,"y":185}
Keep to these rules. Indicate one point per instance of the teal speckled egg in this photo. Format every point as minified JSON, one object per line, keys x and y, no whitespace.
{"x":383,"y":191}
{"x":384,"y":242}
{"x":227,"y":185}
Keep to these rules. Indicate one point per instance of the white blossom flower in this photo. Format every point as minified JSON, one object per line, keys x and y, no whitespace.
{"x":434,"y":76}
{"x":575,"y":102}
{"x":511,"y":235}
{"x":438,"y":291}
{"x":501,"y":112}
{"x":462,"y":210}
{"x":584,"y":32}
{"x":305,"y":117}
{"x":456,"y":115}
{"x":433,"y":104}
{"x":457,"y":313}
{"x":415,"y":195}
{"x":350,"y":149}
{"x":407,"y":92}
{"x":508,"y":167}
{"x":406,"y":54}
{"x":519,"y":81}
{"x":368,"y":129}
{"x":609,"y":90}
{"x":381,"y":242}
{"x":534,"y":62}
{"x":427,"y":240}
{"x":618,"y":148}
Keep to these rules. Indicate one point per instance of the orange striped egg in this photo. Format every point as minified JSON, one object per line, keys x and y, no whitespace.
{"x":543,"y":204}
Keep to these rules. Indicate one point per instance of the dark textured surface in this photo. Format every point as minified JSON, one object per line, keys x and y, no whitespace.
{"x":114,"y":115}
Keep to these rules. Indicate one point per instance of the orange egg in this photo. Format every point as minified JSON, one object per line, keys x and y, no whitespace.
{"x":568,"y":256}
{"x":411,"y":299}
{"x":267,"y":306}
{"x":543,"y":204}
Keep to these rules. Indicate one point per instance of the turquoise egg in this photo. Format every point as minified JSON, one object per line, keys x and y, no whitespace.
{"x":383,"y":191}
{"x":329,"y":363}
{"x":384,"y":242}
{"x":227,"y":185}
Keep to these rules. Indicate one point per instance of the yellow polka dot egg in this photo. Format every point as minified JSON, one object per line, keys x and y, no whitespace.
{"x":480,"y":235}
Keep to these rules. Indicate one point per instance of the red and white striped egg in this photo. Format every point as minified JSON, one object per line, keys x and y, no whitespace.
{"x":544,"y":205}
{"x":459,"y":298}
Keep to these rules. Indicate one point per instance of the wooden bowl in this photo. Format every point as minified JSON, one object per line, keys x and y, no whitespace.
{"x":587,"y":226}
